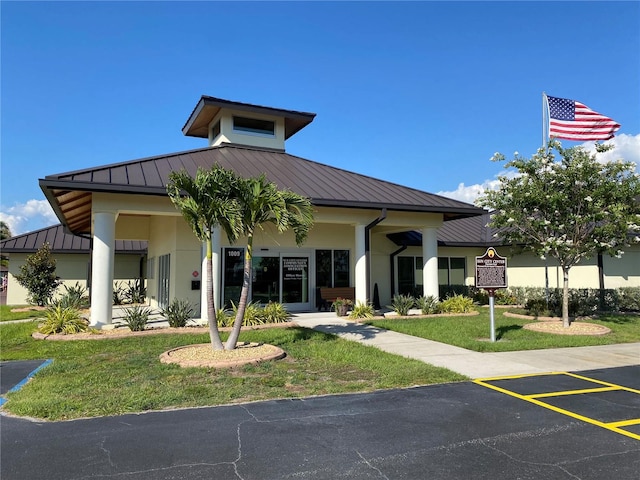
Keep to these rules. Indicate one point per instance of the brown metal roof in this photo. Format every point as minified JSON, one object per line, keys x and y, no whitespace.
{"x":70,"y":193}
{"x":208,"y":107}
{"x":461,"y":232}
{"x":61,"y":242}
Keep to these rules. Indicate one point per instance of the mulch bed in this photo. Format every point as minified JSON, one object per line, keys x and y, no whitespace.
{"x":124,"y":332}
{"x":202,"y":355}
{"x":576,"y":328}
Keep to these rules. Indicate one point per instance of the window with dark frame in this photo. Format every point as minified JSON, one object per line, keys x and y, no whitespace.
{"x":332,"y":268}
{"x":254,"y":126}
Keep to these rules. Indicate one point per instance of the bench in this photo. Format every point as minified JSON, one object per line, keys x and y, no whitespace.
{"x":325,"y":296}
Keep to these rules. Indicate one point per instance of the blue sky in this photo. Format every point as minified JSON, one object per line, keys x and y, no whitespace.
{"x":417,"y":93}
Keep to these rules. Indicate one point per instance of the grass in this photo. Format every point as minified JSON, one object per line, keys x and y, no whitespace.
{"x":109,"y":377}
{"x":6,"y":314}
{"x":474,"y":332}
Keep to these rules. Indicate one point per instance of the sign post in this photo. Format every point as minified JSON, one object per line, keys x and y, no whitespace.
{"x":491,"y":274}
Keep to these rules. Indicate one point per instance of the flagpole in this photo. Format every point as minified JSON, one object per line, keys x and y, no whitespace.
{"x":545,"y":145}
{"x":544,"y":119}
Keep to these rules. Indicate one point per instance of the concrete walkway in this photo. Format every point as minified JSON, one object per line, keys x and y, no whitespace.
{"x":476,"y":364}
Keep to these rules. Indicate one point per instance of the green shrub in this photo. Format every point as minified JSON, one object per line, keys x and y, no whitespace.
{"x":134,"y":292}
{"x":73,"y":297}
{"x":537,"y":307}
{"x":274,"y":312}
{"x":505,"y":297}
{"x":252,"y":314}
{"x":401,"y":304}
{"x":428,"y":305}
{"x":178,"y":312}
{"x":457,"y":304}
{"x":118,"y":294}
{"x":136,"y":317}
{"x":224,"y":318}
{"x":362,"y":310}
{"x":63,"y":320}
{"x":629,"y":299}
{"x":38,"y":276}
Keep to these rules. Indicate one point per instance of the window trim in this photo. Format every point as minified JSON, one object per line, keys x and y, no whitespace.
{"x":256,"y":132}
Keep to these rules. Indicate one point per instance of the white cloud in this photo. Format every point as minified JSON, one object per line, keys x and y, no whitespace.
{"x":469,"y":193}
{"x":28,"y":216}
{"x":626,"y":147}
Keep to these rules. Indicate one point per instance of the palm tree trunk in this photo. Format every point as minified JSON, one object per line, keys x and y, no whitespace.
{"x":565,"y":297}
{"x":244,"y":295}
{"x":214,"y":335}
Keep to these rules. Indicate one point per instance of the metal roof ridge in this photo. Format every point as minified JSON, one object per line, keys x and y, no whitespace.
{"x":127,"y":162}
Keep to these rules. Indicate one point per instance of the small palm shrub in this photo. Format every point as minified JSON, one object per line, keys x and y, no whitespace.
{"x":223,"y":318}
{"x":178,"y":312}
{"x":274,"y":312}
{"x":136,"y":318}
{"x":252,"y":314}
{"x":362,"y":310}
{"x":118,"y":294}
{"x":74,"y":297}
{"x":428,"y":305}
{"x":65,"y":320}
{"x":401,"y":304}
{"x":134,"y":292}
{"x":457,"y":304}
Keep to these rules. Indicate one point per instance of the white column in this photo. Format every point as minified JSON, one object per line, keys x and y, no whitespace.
{"x":104,"y":233}
{"x":215,"y":271}
{"x":360,"y":265}
{"x":430,"y":259}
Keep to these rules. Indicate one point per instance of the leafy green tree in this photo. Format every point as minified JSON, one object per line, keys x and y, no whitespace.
{"x":569,"y":209}
{"x":261,"y":202}
{"x":38,"y":276}
{"x":206,"y":202}
{"x":5,"y":232}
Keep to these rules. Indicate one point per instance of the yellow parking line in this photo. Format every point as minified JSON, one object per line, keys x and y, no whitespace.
{"x":572,"y":392}
{"x":604,"y":383}
{"x":625,"y":423}
{"x":614,"y":426}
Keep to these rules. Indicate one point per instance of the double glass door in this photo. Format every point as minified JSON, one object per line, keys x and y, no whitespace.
{"x":282,"y":278}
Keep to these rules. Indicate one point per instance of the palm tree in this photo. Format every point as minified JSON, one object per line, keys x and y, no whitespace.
{"x":261,"y":202}
{"x":206,"y":202}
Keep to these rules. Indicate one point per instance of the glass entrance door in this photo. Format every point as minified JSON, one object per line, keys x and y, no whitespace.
{"x":276,"y":277}
{"x":295,"y":282}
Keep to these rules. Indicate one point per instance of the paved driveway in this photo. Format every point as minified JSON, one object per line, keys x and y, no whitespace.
{"x":451,"y":431}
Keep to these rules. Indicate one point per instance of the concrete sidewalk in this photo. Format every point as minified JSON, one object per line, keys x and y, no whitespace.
{"x":476,"y":364}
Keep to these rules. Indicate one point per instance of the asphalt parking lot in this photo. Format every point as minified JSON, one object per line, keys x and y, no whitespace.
{"x":493,"y":429}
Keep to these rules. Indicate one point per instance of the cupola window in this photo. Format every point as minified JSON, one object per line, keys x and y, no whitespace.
{"x":254,"y":126}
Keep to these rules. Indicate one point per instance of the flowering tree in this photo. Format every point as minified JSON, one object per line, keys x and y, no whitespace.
{"x":569,"y":209}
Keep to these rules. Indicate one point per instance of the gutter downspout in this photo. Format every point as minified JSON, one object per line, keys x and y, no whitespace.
{"x":392,"y":258}
{"x":367,"y":248}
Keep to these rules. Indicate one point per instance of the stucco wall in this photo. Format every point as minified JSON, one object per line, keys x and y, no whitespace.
{"x":71,"y":268}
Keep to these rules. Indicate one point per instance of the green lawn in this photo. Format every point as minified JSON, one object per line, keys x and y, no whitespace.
{"x":109,"y":377}
{"x":473,"y":333}
{"x":6,"y":314}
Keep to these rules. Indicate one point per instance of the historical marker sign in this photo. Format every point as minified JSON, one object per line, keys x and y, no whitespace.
{"x":491,"y":270}
{"x":491,"y":273}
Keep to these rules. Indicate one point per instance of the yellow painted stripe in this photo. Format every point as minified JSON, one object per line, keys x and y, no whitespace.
{"x":572,"y":392}
{"x":522,"y":375}
{"x":556,"y":409}
{"x":625,"y":423}
{"x":622,"y":387}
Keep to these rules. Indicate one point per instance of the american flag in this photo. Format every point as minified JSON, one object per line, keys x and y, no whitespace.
{"x":573,"y":120}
